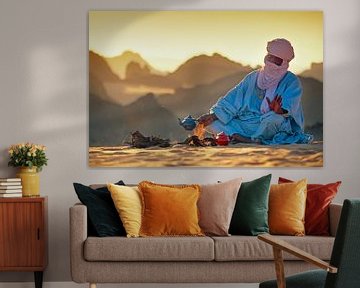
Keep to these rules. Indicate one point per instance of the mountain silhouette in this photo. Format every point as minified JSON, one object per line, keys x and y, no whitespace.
{"x":137,"y":75}
{"x":198,"y":70}
{"x":150,"y":118}
{"x":105,"y":120}
{"x":134,"y":70}
{"x":119,"y":63}
{"x":100,"y":69}
{"x":312,"y":101}
{"x":111,"y":124}
{"x":198,"y":100}
{"x":100,"y":77}
{"x":204,"y":69}
{"x":315,"y":71}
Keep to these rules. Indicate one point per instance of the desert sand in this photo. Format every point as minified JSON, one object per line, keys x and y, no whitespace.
{"x":238,"y":155}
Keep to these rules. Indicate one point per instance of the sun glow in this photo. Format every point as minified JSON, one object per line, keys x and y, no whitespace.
{"x":168,"y":38}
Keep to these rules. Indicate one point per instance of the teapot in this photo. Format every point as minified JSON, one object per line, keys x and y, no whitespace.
{"x":222,"y":139}
{"x":189,"y":123}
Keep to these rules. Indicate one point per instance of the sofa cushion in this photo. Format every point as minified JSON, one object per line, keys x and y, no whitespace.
{"x":244,"y":248}
{"x":102,"y":216}
{"x":149,"y":249}
{"x":250,"y":215}
{"x":169,"y":210}
{"x":127,"y":201}
{"x":287,"y":204}
{"x":216,"y":206}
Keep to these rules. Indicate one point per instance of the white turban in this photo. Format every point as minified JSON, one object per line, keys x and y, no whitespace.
{"x":281,"y":48}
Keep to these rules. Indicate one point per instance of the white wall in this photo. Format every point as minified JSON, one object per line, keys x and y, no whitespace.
{"x":43,"y":90}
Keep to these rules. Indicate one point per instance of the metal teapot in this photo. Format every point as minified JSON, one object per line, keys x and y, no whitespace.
{"x":189,"y":123}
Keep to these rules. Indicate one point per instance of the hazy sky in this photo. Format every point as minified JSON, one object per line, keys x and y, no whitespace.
{"x":167,"y":38}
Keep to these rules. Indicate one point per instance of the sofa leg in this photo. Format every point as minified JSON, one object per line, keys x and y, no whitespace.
{"x":92,"y":285}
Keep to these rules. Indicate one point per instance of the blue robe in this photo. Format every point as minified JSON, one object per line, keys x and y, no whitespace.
{"x":239,"y":112}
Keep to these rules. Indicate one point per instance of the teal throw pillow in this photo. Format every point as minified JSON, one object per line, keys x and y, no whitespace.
{"x":250,"y":216}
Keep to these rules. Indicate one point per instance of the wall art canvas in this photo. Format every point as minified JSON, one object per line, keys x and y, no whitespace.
{"x":205,"y":88}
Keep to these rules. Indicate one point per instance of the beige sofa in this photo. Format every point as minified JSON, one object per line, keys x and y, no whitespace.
{"x":234,"y":259}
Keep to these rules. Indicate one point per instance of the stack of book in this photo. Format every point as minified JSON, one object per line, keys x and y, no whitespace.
{"x":10,"y":187}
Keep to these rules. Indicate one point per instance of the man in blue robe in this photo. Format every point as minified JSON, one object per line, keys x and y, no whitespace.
{"x":265,"y":107}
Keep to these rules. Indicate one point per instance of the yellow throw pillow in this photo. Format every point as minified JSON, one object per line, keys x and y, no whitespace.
{"x":169,"y":210}
{"x":127,"y":201}
{"x":287,"y":204}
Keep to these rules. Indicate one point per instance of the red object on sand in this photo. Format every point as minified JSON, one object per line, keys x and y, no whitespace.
{"x":222,"y":139}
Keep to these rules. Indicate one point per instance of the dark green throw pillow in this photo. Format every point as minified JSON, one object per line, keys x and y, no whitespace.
{"x":250,"y":216}
{"x":103,"y":219}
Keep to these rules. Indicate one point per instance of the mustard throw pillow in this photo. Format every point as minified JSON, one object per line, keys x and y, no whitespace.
{"x":169,"y":210}
{"x":287,"y":204}
{"x":127,"y":201}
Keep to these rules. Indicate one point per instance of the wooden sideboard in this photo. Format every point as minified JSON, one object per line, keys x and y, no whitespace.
{"x":23,"y":235}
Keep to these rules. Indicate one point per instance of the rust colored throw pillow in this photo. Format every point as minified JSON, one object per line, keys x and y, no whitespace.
{"x":169,"y":210}
{"x":216,"y":206}
{"x":319,"y":197}
{"x":287,"y":204}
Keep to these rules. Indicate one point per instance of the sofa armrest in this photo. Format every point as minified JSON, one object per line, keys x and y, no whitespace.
{"x":334,"y":217}
{"x":78,"y":235}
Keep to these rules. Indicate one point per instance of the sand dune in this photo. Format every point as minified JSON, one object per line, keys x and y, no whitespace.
{"x":239,"y":155}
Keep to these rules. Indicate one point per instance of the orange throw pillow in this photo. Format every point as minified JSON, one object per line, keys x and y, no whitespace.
{"x":169,"y":210}
{"x":319,"y":197}
{"x":287,"y":204}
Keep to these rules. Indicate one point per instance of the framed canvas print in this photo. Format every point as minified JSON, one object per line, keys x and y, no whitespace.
{"x":205,"y":88}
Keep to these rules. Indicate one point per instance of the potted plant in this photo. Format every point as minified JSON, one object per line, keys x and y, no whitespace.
{"x":30,"y":158}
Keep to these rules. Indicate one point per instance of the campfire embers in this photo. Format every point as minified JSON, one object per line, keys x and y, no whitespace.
{"x":196,"y":141}
{"x":138,"y":140}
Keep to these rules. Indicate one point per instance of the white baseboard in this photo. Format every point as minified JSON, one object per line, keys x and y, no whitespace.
{"x":74,"y":285}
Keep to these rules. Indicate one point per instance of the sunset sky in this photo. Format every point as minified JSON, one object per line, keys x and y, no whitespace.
{"x":168,"y":38}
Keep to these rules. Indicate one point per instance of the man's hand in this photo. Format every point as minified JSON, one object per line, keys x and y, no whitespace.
{"x":207,"y":119}
{"x":275,"y":105}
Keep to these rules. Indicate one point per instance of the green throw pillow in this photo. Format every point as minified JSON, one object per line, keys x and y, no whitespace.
{"x":250,"y":216}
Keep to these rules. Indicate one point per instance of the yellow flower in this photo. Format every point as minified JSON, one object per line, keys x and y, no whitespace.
{"x":40,"y":147}
{"x":27,"y":154}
